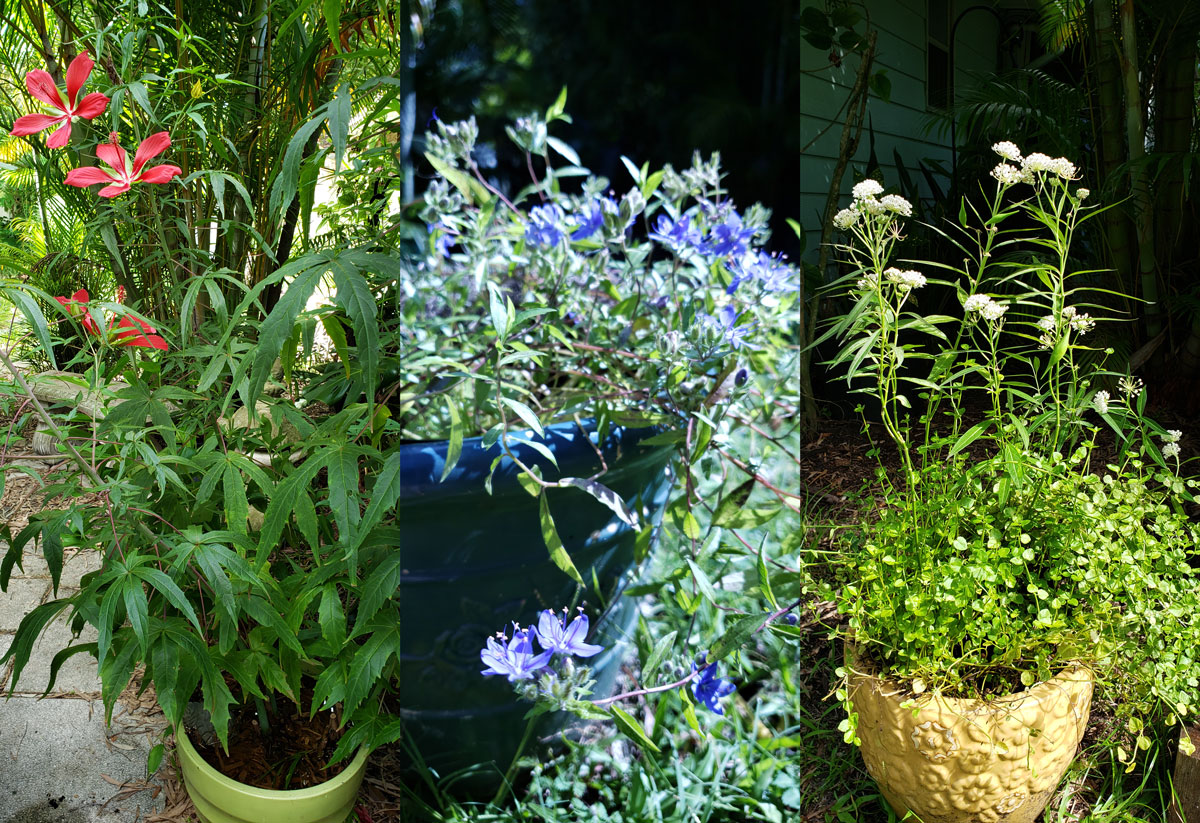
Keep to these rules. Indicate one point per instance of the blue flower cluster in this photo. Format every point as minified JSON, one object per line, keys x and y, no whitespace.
{"x":725,"y":323}
{"x":709,"y":687}
{"x":515,"y":658}
{"x":543,"y":227}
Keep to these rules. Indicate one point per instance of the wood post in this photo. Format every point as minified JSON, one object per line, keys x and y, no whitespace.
{"x":1185,"y":808}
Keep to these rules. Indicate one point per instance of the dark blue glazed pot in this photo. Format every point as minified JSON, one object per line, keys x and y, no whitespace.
{"x":475,"y":562}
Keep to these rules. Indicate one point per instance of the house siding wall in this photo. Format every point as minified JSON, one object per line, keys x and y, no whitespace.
{"x":904,"y":124}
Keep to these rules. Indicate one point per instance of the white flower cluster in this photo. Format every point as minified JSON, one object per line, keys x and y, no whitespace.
{"x":1100,"y":401}
{"x":897,"y":205}
{"x":1171,"y":443}
{"x":1008,"y":175}
{"x":867,"y":201}
{"x":1082,"y":193}
{"x":845,"y":218}
{"x":1031,"y":166}
{"x":985,"y":306}
{"x":869,"y":283}
{"x":1036,"y":163}
{"x":1079,"y":321}
{"x":1008,"y":150}
{"x":1131,"y":386}
{"x":867,"y":189}
{"x":905,"y":280}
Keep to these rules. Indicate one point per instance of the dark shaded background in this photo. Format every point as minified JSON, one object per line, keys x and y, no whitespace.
{"x":652,"y":80}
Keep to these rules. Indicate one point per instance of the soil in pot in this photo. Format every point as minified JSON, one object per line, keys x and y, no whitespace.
{"x":292,"y":755}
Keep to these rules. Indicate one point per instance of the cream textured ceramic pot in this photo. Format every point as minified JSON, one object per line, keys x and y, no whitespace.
{"x":951,"y":760}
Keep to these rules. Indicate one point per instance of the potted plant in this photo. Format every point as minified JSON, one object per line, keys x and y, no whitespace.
{"x":552,"y":349}
{"x":540,"y":361}
{"x":1008,"y":563}
{"x":204,"y":588}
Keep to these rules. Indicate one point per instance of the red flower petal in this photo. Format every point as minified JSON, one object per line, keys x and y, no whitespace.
{"x":92,"y":106}
{"x":33,"y":123}
{"x":134,"y":332}
{"x":113,"y":155}
{"x":151,"y":147}
{"x":41,"y":85}
{"x":119,"y":187}
{"x":89,"y":325}
{"x":159,"y":174}
{"x":61,"y":136}
{"x":77,"y":75}
{"x":80,"y":296}
{"x":85,"y":176}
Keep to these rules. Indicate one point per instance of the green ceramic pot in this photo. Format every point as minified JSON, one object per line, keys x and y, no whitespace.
{"x":219,"y":799}
{"x":474,"y":562}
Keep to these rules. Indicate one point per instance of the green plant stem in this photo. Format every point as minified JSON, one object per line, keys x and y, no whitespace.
{"x":512,"y":767}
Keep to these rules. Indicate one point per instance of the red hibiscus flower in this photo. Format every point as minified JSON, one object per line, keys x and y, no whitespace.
{"x":122,"y":174}
{"x":128,"y":332}
{"x":76,"y":306}
{"x":133,"y":332}
{"x":41,"y":85}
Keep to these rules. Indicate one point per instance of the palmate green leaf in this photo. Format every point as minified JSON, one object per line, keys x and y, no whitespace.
{"x":384,"y":495}
{"x":369,"y":661}
{"x":331,"y":616}
{"x":331,"y":10}
{"x":343,"y":475}
{"x":167,"y":587}
{"x":354,"y":295}
{"x":631,"y":728}
{"x":136,"y":609}
{"x":377,"y":588}
{"x":237,"y":508}
{"x":283,"y":188}
{"x":285,"y":501}
{"x":265,"y":614}
{"x":306,"y":274}
{"x":337,"y":335}
{"x":28,"y":630}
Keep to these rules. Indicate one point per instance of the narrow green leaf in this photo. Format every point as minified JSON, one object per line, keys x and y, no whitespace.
{"x":337,"y":335}
{"x":455,"y":442}
{"x":558,"y":552}
{"x":631,"y":728}
{"x":525,"y":413}
{"x":735,"y":636}
{"x":732,"y":503}
{"x":764,"y":578}
{"x":657,"y":655}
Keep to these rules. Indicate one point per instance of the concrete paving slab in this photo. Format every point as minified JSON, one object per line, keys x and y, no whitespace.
{"x":78,"y":674}
{"x":76,"y":566}
{"x":54,"y":757}
{"x":32,"y":565}
{"x":22,"y":596}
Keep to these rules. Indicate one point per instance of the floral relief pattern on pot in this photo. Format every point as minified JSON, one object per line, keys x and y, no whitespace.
{"x":953,"y":760}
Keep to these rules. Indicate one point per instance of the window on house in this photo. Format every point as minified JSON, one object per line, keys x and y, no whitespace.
{"x":939,"y":74}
